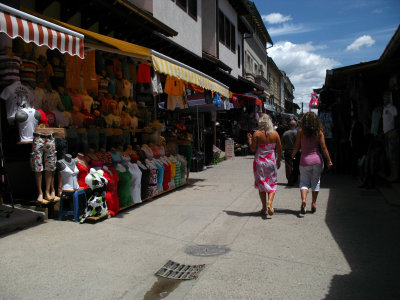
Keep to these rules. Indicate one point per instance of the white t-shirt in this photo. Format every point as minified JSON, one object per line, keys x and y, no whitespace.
{"x":16,"y":96}
{"x":27,"y":128}
{"x":388,"y":115}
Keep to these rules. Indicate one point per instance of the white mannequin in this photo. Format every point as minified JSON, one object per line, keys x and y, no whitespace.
{"x":68,"y":179}
{"x":27,"y":120}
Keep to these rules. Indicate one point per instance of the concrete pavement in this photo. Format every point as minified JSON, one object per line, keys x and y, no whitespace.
{"x":348,"y":249}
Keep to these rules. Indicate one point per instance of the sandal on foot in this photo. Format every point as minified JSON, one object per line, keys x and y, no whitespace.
{"x":270,"y":210}
{"x":303,"y":209}
{"x":313,"y":208}
{"x":263,"y":212}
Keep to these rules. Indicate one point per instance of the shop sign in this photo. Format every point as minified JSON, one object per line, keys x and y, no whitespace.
{"x":269,"y":107}
{"x":229,"y":149}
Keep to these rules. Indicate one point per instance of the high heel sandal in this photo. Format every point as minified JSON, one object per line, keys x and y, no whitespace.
{"x":313,"y":208}
{"x":270,"y":210}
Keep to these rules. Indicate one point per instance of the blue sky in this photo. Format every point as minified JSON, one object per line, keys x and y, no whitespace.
{"x":311,"y":36}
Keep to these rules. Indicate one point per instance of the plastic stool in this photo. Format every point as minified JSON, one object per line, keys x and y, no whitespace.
{"x":75,"y":203}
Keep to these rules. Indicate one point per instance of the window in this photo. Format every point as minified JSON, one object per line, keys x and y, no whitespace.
{"x":255,"y":71}
{"x":182,"y":4}
{"x":192,"y":8}
{"x":233,"y":38}
{"x":238,"y":56}
{"x":189,"y":6}
{"x":221,"y":25}
{"x":227,"y":32}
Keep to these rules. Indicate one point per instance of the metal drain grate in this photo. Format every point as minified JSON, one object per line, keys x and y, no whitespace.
{"x":206,"y":250}
{"x":175,"y":270}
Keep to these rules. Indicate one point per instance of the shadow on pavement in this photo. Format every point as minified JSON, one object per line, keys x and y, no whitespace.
{"x":288,"y":212}
{"x":244,"y":214}
{"x":367,"y":231}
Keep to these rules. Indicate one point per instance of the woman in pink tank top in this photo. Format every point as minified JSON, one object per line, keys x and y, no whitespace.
{"x":310,"y":138}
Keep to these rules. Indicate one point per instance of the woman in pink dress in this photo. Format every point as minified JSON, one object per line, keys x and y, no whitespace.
{"x":265,"y":142}
{"x":310,"y":138}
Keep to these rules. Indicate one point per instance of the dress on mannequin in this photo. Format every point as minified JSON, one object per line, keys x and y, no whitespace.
{"x":136,"y":180}
{"x":83,"y":167}
{"x":112,"y":198}
{"x":124,"y":183}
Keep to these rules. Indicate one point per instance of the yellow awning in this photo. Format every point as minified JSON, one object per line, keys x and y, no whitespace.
{"x":119,"y":44}
{"x":171,"y":67}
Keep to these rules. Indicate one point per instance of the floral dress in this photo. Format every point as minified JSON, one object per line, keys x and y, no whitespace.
{"x":264,"y":168}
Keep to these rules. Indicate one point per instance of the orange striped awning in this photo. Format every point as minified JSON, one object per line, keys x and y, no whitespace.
{"x":32,"y":29}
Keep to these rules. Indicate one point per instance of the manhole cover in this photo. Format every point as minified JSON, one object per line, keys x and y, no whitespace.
{"x":175,"y":270}
{"x":206,"y":250}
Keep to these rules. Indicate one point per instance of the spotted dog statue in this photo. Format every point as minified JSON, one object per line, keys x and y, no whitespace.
{"x":97,"y":206}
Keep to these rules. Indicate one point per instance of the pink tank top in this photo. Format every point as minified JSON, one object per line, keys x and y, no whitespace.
{"x":310,"y":151}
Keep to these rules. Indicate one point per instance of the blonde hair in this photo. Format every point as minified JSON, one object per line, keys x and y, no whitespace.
{"x":265,"y":123}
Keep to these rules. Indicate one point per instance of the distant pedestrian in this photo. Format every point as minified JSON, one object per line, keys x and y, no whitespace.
{"x":310,"y":136}
{"x":265,"y":142}
{"x":291,"y":165}
{"x":282,"y":127}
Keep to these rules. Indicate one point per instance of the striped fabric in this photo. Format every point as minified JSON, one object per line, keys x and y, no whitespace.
{"x":163,"y":66}
{"x":29,"y":31}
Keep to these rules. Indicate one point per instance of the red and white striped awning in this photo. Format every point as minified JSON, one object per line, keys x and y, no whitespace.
{"x":32,"y":29}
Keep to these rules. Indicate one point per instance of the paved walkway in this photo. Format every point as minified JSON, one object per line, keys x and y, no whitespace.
{"x":348,"y":249}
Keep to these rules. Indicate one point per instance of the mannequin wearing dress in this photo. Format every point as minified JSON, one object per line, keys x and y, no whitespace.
{"x":84,"y":168}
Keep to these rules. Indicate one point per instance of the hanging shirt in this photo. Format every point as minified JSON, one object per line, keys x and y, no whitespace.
{"x":9,"y":69}
{"x":16,"y":96}
{"x":143,"y":74}
{"x":28,"y":71}
{"x":388,"y":115}
{"x":174,"y":86}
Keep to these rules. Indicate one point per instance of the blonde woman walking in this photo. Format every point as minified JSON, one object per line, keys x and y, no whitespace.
{"x":264,"y":143}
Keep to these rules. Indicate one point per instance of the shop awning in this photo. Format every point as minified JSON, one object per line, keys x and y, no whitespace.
{"x":119,"y":44}
{"x":172,"y":67}
{"x":16,"y":23}
{"x":126,"y":48}
{"x":248,"y":97}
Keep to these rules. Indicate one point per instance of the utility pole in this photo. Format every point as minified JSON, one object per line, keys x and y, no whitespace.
{"x":302,"y":103}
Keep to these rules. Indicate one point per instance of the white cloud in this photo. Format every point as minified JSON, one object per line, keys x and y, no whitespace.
{"x":365,"y":40}
{"x":275,"y":18}
{"x":305,"y":69}
{"x":285,"y":29}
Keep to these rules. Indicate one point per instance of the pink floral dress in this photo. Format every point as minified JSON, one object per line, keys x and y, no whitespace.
{"x":264,"y":168}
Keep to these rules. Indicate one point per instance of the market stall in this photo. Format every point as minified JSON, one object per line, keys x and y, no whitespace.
{"x":92,"y":115}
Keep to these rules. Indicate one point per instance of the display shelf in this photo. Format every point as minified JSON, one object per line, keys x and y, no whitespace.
{"x":151,"y":197}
